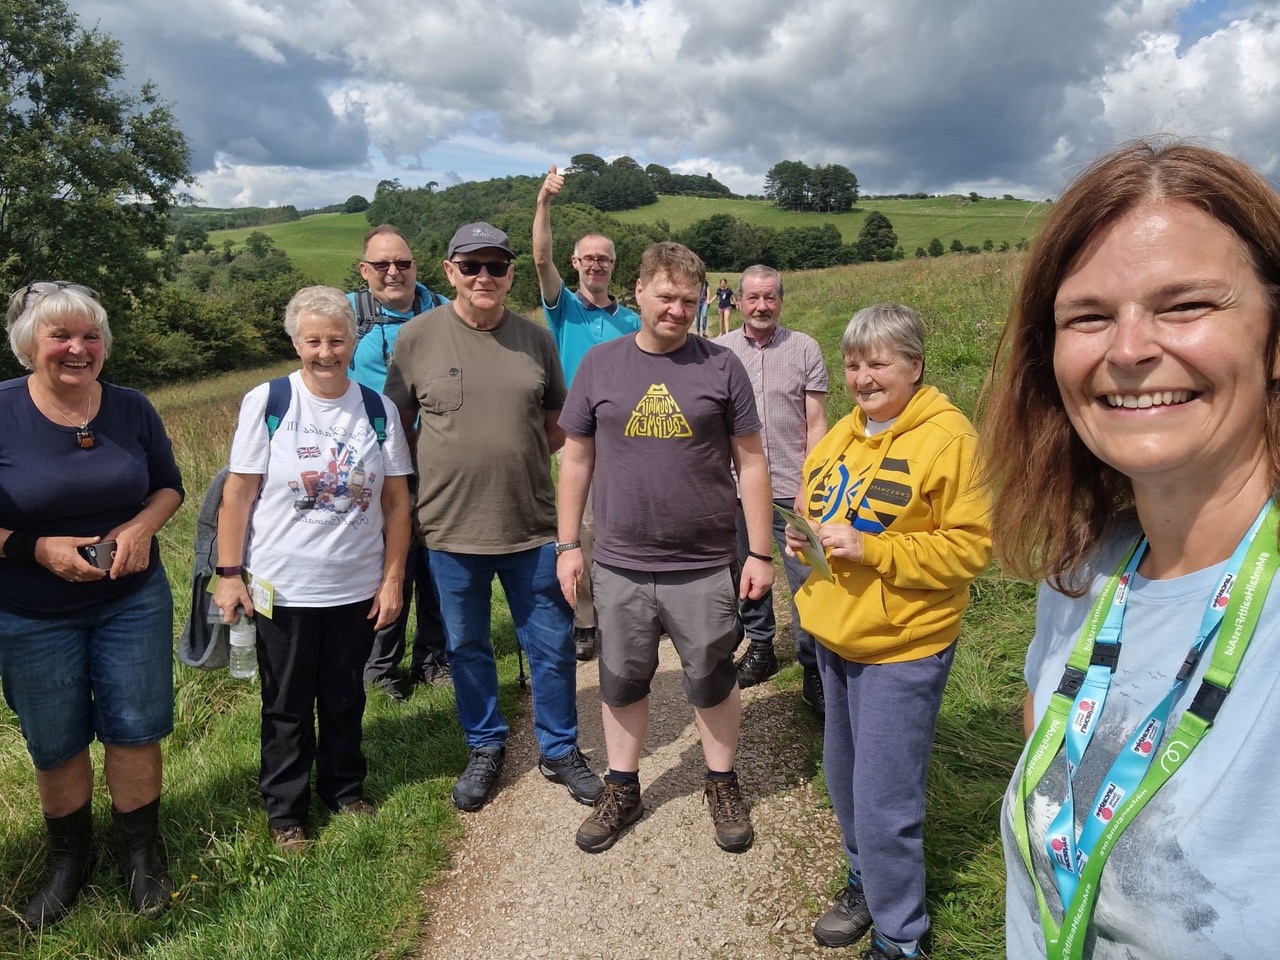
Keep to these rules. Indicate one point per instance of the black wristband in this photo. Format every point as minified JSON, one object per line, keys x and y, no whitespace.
{"x":21,"y":545}
{"x":760,"y":556}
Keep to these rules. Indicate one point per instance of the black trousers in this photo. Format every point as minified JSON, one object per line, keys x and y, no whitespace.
{"x":311,"y":660}
{"x":428,"y":638}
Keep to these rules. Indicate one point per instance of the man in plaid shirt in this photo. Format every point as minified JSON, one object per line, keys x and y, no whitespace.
{"x":789,"y":379}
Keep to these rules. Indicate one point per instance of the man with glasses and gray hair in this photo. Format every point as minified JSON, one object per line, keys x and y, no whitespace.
{"x":481,"y":389}
{"x":789,"y":380}
{"x":392,"y":298}
{"x":579,"y":321}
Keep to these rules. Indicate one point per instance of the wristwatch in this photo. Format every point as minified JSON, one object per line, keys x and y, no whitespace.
{"x":566,"y":547}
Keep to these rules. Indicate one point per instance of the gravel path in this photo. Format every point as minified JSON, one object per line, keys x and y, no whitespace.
{"x":520,"y":888}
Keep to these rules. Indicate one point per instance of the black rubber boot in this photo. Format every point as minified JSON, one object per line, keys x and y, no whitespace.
{"x":70,"y":861}
{"x":138,"y":852}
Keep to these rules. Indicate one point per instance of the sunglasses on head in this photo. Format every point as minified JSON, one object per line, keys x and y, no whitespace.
{"x":469,"y":268}
{"x":382,"y":266}
{"x":43,"y":288}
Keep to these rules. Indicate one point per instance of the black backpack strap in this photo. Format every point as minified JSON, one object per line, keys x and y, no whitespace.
{"x":279,"y":393}
{"x":367,"y":313}
{"x":376,"y":411}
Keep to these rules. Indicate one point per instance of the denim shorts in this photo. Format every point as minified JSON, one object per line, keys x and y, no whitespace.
{"x":105,"y":672}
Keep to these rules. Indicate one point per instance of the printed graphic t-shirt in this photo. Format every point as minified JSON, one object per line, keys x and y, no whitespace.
{"x":663,"y":493}
{"x":316,"y":531}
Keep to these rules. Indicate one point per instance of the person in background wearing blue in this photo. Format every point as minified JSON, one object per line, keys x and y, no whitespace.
{"x":320,"y":511}
{"x":700,"y":323}
{"x":391,"y":272}
{"x":1134,"y":431}
{"x":86,"y":649}
{"x":578,"y":322}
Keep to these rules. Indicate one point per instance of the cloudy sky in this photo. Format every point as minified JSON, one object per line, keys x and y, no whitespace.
{"x":309,"y":101}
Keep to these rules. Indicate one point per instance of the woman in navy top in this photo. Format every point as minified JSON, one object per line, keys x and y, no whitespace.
{"x":87,"y":478}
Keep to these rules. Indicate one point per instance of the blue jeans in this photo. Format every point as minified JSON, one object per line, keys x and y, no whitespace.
{"x":544,"y":626}
{"x":104,"y":671}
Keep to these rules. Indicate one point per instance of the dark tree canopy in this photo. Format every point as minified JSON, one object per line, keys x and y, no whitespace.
{"x":876,"y":240}
{"x":794,"y":185}
{"x":355,"y":204}
{"x":88,"y":170}
{"x":586,"y":163}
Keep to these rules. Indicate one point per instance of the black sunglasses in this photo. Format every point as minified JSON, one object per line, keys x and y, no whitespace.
{"x":43,"y":288}
{"x":382,"y":266}
{"x":469,"y":268}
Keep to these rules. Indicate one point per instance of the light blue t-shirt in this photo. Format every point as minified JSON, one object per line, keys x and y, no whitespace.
{"x":373,"y":352}
{"x":1197,"y":874}
{"x":578,"y":325}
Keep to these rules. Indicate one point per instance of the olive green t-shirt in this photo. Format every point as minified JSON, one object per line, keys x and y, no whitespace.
{"x":484,"y":466}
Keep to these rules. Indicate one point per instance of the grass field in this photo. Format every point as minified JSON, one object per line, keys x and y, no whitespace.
{"x":324,"y":246}
{"x":356,"y":894}
{"x":916,"y":222}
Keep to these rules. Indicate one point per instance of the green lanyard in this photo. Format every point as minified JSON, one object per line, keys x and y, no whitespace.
{"x":1238,"y":625}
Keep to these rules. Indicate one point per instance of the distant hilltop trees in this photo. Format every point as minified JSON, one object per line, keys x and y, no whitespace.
{"x":621,"y":184}
{"x":794,"y":185}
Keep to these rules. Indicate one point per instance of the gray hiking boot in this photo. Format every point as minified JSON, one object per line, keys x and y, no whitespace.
{"x":845,"y":923}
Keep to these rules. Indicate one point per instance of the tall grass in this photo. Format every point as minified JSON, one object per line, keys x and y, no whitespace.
{"x":357,"y":891}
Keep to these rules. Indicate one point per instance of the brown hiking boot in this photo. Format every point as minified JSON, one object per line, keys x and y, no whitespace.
{"x":729,"y":814}
{"x":615,"y":810}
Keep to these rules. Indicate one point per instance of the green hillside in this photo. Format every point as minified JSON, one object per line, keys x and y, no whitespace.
{"x":916,"y":222}
{"x":323,"y":246}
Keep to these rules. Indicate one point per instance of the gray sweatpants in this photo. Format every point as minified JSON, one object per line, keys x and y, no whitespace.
{"x":875,"y":753}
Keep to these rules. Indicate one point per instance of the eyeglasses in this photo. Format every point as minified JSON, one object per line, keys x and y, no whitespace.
{"x":470,"y":268}
{"x":598,"y":261}
{"x":382,"y":266}
{"x":44,"y":288}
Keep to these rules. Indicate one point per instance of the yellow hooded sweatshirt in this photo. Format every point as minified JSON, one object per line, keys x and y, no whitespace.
{"x":913,"y":492}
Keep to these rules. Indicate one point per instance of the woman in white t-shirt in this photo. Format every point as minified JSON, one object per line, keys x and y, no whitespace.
{"x":315,"y":516}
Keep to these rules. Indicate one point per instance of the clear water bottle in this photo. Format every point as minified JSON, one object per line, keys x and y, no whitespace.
{"x":243,"y":663}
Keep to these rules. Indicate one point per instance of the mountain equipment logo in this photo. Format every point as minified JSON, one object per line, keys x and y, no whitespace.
{"x":1083,"y":719}
{"x":1147,"y":740}
{"x":1112,"y":797}
{"x":658,"y":415}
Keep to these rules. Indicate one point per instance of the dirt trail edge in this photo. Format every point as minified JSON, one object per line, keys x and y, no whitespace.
{"x":519,"y":888}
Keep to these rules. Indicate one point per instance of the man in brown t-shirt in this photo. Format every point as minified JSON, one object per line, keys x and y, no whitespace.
{"x":481,"y":389}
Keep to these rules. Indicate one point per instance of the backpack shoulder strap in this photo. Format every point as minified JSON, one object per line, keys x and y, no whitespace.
{"x":279,"y":393}
{"x":376,"y":411}
{"x":366,"y":313}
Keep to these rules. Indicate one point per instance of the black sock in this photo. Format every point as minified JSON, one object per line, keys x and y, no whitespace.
{"x":623,"y":776}
{"x":725,"y":776}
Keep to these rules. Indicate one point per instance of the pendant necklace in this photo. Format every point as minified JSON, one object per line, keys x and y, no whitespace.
{"x":84,"y":436}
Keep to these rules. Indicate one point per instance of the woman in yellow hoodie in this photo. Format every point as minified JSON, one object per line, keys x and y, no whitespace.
{"x":893,"y":497}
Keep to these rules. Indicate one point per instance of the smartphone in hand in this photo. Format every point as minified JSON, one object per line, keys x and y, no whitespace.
{"x":101,"y":555}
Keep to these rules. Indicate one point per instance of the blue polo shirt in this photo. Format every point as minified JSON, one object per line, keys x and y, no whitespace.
{"x":577,"y":325}
{"x":373,"y":352}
